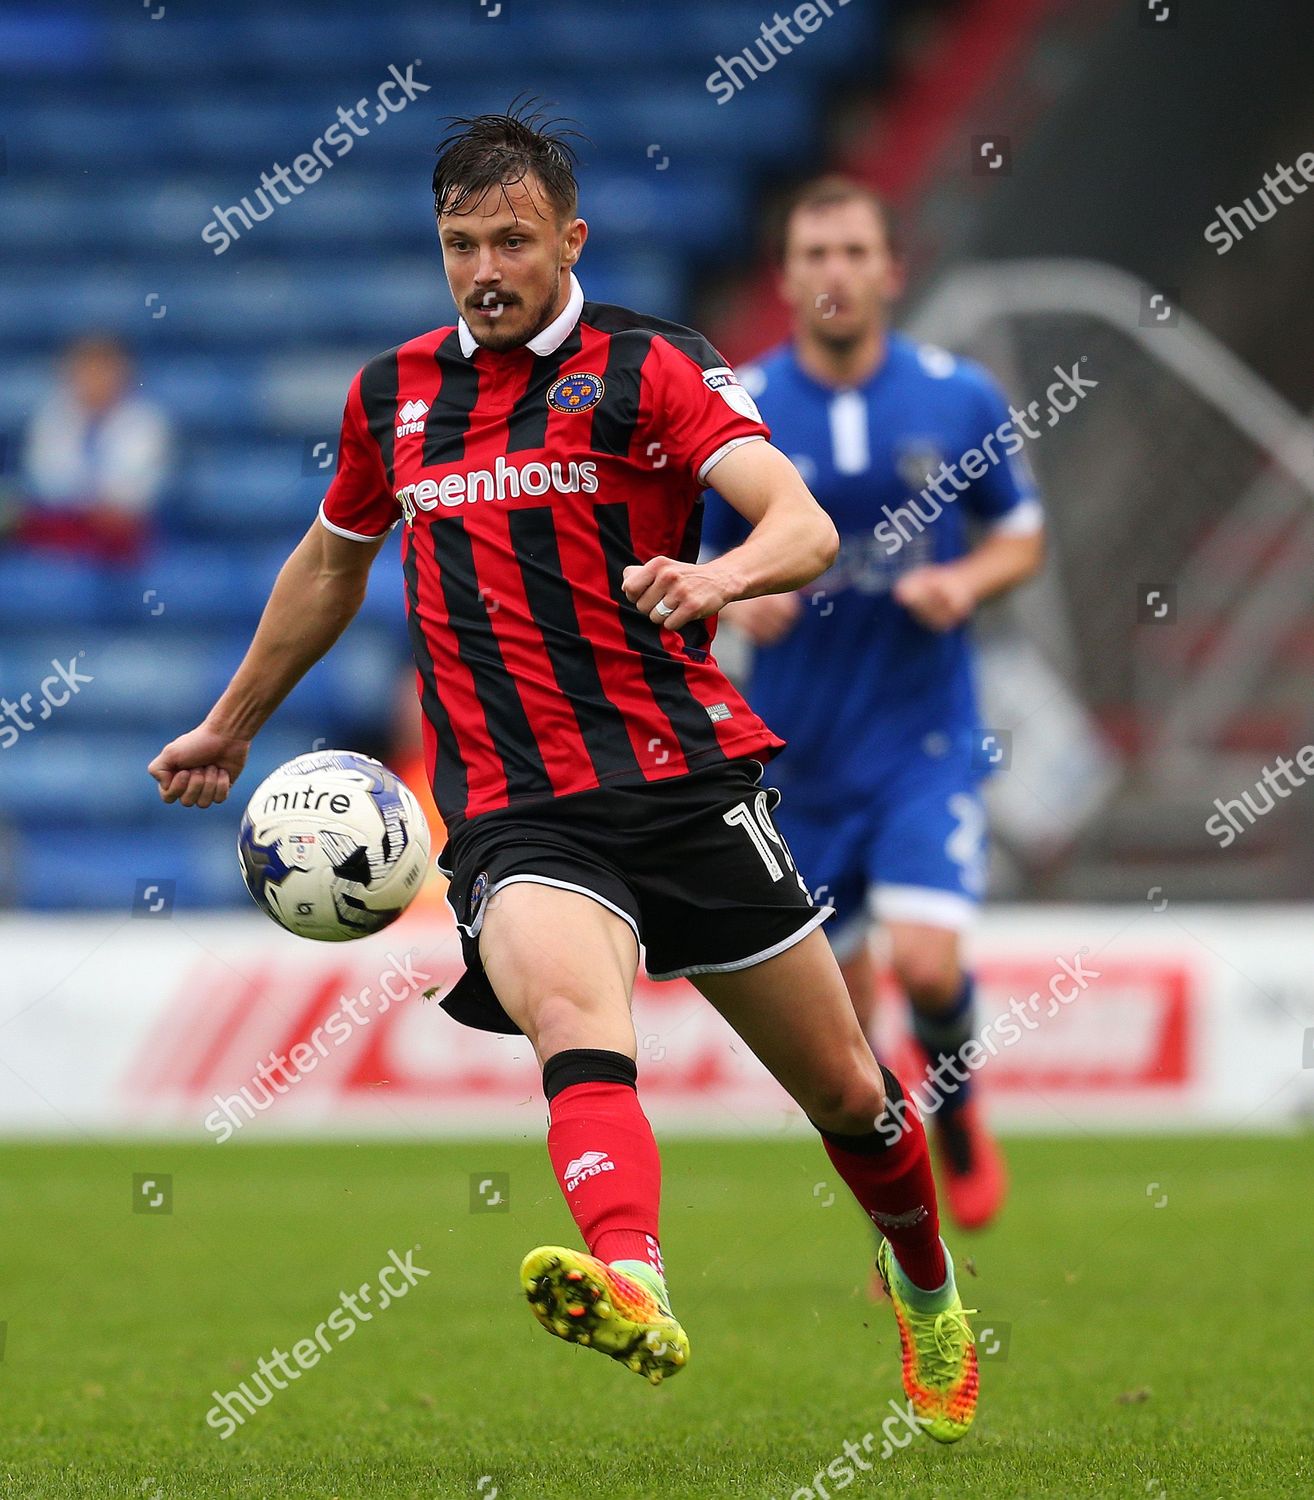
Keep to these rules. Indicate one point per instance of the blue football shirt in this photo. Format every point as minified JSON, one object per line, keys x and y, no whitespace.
{"x":858,"y":682}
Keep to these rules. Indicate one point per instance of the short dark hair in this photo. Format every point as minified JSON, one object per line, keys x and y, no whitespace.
{"x":487,"y":151}
{"x":830,"y":192}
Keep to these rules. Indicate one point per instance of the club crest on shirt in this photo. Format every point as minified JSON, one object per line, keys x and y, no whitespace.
{"x":577,"y":392}
{"x":916,"y":459}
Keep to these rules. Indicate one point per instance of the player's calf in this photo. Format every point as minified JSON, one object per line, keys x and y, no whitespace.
{"x":887,"y":1168}
{"x":605,"y":1157}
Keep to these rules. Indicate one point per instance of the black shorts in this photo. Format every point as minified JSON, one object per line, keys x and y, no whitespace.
{"x":694,"y":864}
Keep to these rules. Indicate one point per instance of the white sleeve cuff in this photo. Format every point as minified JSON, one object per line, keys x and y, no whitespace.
{"x":351,"y":536}
{"x":1025,"y":519}
{"x":715,"y":458}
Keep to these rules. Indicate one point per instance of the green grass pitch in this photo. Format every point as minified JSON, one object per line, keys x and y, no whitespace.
{"x":1152,"y":1301}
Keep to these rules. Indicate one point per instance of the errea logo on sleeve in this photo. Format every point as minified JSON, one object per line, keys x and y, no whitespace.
{"x":410,"y":417}
{"x":723,"y":380}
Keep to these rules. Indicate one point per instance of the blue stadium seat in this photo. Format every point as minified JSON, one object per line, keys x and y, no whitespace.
{"x":161,"y":673}
{"x":244,"y":131}
{"x":595,"y":32}
{"x":626,"y":208}
{"x":42,"y":590}
{"x":106,"y":869}
{"x":378,"y":302}
{"x":191,"y":583}
{"x":62,"y":779}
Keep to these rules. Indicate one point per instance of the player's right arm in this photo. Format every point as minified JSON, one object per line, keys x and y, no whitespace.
{"x":318,"y":591}
{"x":705,"y":423}
{"x":764,"y":617}
{"x":792,"y":539}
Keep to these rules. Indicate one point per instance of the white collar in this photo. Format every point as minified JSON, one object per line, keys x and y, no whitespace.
{"x":549,"y":339}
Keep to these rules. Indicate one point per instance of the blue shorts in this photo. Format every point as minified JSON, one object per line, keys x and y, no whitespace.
{"x":915,"y":852}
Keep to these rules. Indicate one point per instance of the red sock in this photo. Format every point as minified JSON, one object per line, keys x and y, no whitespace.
{"x":606,"y":1162}
{"x":891,"y":1178}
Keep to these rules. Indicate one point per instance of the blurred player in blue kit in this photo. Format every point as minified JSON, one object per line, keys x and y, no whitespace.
{"x":868,"y":672}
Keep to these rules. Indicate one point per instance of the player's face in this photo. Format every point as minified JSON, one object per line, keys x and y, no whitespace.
{"x":505,"y":258}
{"x":840,"y":275}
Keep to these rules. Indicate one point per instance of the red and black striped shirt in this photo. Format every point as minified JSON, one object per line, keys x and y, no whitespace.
{"x":528,"y":480}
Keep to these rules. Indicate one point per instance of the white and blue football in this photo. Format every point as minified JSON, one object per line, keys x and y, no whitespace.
{"x":333,"y":846}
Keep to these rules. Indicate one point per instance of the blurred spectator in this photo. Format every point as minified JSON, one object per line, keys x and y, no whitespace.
{"x":95,"y":458}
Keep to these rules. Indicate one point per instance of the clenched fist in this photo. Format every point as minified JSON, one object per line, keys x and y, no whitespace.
{"x":198,"y":768}
{"x":674,"y":593}
{"x":937,"y":596}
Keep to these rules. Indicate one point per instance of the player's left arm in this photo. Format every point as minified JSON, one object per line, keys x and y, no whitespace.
{"x":792,"y":541}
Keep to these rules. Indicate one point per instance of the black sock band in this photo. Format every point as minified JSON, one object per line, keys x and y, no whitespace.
{"x":587,"y":1065}
{"x":873,"y":1142}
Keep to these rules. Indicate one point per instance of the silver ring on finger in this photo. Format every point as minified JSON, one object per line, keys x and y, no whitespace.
{"x":663,"y":609}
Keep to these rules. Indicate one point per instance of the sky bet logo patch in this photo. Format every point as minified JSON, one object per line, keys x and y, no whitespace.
{"x":723,"y":380}
{"x":576,"y":392}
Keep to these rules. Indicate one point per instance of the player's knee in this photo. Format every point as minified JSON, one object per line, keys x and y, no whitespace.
{"x":558,"y":1018}
{"x":930,"y":980}
{"x":850,"y":1101}
{"x":561,"y":1019}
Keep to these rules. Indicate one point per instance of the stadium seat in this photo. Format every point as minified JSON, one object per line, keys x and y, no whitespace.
{"x":104,"y":868}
